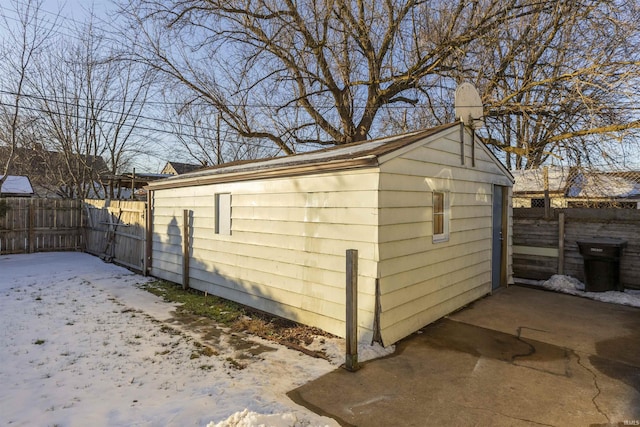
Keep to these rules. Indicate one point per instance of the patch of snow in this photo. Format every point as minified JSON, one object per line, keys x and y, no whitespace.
{"x":247,"y":418}
{"x":532,"y":180}
{"x":571,"y":285}
{"x":81,"y":344}
{"x":16,"y":184}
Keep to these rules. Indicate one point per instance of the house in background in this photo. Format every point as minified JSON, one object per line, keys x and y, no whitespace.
{"x":176,"y":168}
{"x":16,"y":186}
{"x":57,"y":174}
{"x":576,"y":188}
{"x":428,"y":212}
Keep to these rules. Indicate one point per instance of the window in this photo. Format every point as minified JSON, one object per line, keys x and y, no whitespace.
{"x":440,"y":216}
{"x":537,"y":203}
{"x":223,"y":214}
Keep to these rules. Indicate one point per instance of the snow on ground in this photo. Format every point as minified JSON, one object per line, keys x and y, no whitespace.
{"x":80,"y":345}
{"x":571,"y":285}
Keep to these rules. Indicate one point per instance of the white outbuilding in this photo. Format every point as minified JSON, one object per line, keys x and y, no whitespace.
{"x":428,"y":212}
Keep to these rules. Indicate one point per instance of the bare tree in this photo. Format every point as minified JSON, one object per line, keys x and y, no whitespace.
{"x":560,"y":83}
{"x":311,"y":71}
{"x":91,"y":105}
{"x":334,"y":72}
{"x":206,"y":139}
{"x":25,"y":40}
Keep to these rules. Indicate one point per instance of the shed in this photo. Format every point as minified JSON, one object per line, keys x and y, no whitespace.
{"x":576,"y":187}
{"x":428,"y":211}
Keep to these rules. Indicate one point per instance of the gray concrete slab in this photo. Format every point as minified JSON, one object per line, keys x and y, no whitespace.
{"x":520,"y":357}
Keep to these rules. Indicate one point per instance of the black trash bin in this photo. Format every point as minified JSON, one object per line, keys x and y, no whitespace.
{"x":602,"y":263}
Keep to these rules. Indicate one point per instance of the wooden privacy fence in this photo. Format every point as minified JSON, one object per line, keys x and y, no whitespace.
{"x":38,"y":225}
{"x":115,"y":231}
{"x":547,"y":245}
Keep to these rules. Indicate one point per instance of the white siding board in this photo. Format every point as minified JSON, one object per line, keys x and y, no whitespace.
{"x":400,"y":199}
{"x":419,"y":274}
{"x":349,"y":216}
{"x":395,"y":233}
{"x":350,"y":232}
{"x":441,"y":176}
{"x":325,"y":199}
{"x":394,"y":332}
{"x":469,"y":277}
{"x":404,"y":181}
{"x":432,"y":257}
{"x":366,"y":250}
{"x":246,"y":253}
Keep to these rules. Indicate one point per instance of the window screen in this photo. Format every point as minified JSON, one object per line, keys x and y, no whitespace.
{"x":223,"y":213}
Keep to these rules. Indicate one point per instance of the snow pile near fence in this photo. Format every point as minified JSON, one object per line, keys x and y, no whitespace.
{"x":572,"y":286}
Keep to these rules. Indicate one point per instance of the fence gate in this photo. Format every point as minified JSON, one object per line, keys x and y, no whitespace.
{"x":115,"y":231}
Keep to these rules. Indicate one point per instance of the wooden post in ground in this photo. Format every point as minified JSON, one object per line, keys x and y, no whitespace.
{"x":561,"y":243}
{"x":351,"y":359}
{"x":32,"y":233}
{"x":148,"y":235}
{"x":547,"y":200}
{"x":185,"y":249}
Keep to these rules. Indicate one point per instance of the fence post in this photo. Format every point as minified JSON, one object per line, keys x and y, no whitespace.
{"x":547,"y":200}
{"x":351,"y":359}
{"x":561,"y":243}
{"x":148,"y":235}
{"x":32,"y":220}
{"x":185,"y":249}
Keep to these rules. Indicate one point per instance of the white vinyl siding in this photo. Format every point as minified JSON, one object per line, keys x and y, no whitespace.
{"x":423,"y":276}
{"x":286,"y":254}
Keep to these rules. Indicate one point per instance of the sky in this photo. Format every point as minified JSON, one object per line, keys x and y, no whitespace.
{"x":70,"y":14}
{"x":161,"y":145}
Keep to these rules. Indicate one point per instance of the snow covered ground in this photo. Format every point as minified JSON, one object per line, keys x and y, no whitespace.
{"x":571,"y":285}
{"x":81,"y":345}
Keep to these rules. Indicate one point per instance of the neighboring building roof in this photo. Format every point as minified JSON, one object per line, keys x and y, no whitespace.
{"x":532,"y":180}
{"x":176,"y":168}
{"x":360,"y":154}
{"x":605,"y":185}
{"x":578,"y":183}
{"x":16,"y":185}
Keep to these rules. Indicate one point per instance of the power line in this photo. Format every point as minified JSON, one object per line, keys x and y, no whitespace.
{"x":139,"y":127}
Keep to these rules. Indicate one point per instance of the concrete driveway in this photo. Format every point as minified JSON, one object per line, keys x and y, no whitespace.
{"x":520,"y":357}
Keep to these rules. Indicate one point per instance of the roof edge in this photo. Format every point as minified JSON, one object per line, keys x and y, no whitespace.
{"x":283,"y":171}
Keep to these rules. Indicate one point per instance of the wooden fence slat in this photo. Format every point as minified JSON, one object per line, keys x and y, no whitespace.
{"x":39,"y":225}
{"x":534,"y":237}
{"x":130,"y":233}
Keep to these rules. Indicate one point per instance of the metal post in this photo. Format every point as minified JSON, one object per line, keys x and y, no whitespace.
{"x":351,"y":360}
{"x":185,"y":250}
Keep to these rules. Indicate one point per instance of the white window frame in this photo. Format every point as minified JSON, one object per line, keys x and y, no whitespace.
{"x":223,"y":214}
{"x":446,"y":214}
